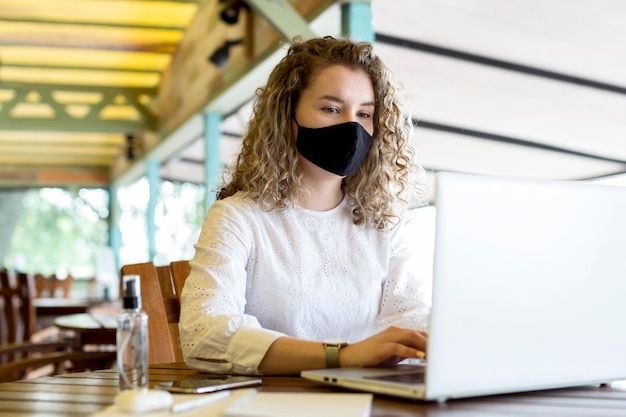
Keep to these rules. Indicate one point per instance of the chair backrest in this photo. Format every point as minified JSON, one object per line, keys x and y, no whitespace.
{"x":163,"y":309}
{"x":171,"y":303}
{"x":179,"y":271}
{"x":53,"y":287}
{"x":17,"y":310}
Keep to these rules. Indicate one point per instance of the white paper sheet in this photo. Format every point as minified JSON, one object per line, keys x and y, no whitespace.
{"x":250,"y":403}
{"x":290,"y":404}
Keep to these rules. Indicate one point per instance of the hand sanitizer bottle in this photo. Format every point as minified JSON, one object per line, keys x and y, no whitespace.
{"x":132,"y":338}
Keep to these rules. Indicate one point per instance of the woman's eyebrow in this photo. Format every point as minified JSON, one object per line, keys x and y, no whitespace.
{"x":341,"y":101}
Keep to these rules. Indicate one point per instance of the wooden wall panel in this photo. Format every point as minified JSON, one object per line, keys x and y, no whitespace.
{"x":191,"y":80}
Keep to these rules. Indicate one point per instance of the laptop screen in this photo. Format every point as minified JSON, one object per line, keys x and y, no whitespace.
{"x":529,"y":285}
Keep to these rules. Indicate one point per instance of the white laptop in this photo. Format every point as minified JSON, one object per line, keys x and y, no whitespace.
{"x":529,"y":291}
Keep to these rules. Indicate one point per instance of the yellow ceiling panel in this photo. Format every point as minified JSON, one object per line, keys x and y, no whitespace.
{"x":86,"y":138}
{"x":107,"y":151}
{"x":156,"y":13}
{"x":78,"y":111}
{"x":6,"y":95}
{"x":119,"y":113}
{"x":80,"y":77}
{"x":38,"y":110}
{"x":33,"y":55}
{"x":83,"y":36}
{"x":76,"y":97}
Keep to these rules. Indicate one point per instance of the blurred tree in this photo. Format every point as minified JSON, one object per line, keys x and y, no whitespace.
{"x":179,"y":217}
{"x":59,"y":230}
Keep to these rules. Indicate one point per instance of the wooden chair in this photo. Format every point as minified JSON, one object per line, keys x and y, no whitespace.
{"x":17,"y":321}
{"x":160,"y":301}
{"x":19,"y":357}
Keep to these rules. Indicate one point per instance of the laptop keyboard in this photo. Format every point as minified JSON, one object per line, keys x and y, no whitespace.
{"x":409,"y":378}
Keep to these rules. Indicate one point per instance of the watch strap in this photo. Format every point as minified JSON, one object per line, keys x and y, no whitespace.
{"x":332,"y":354}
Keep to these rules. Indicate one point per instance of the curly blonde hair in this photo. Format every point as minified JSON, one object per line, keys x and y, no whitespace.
{"x":267,"y":168}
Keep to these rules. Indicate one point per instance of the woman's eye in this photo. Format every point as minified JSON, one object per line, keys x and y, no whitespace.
{"x":331,"y":109}
{"x":364,"y":115}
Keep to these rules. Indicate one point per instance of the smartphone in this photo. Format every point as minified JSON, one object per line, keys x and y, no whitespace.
{"x":202,"y":385}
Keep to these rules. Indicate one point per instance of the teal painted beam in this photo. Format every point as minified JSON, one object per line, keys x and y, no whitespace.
{"x":89,"y":122}
{"x":152,"y":174}
{"x":283,"y":17}
{"x":356,"y":21}
{"x":212,"y":160}
{"x":115,"y":233}
{"x":66,"y":123}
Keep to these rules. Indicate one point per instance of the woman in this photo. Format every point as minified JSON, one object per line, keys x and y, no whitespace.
{"x":305,"y":243}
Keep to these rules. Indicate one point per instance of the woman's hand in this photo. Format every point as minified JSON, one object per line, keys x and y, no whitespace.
{"x":387,"y":348}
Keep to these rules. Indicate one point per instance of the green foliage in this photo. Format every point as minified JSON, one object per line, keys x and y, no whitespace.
{"x":59,"y":229}
{"x":179,"y":217}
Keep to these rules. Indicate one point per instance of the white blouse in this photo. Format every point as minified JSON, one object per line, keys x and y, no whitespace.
{"x":313,"y":275}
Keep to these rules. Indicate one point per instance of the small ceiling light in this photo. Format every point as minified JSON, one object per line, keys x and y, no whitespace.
{"x":230,"y":13}
{"x":220,"y":56}
{"x":130,"y":146}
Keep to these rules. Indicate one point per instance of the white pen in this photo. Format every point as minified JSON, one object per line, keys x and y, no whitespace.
{"x":199,"y":401}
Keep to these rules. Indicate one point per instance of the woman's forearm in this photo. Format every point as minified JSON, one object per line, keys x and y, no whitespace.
{"x":289,"y":356}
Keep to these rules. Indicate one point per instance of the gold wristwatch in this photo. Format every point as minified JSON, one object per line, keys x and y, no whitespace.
{"x":332,"y":352}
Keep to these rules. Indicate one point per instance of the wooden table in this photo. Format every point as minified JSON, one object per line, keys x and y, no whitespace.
{"x":60,"y":306}
{"x":82,"y":394}
{"x":90,"y":329}
{"x":48,"y":309}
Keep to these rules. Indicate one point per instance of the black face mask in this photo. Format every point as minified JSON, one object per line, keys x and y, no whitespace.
{"x":339,"y":149}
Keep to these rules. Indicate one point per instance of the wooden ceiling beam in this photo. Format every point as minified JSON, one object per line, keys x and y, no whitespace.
{"x":50,"y":176}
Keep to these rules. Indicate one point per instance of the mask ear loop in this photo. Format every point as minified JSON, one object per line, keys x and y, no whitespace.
{"x":298,"y":127}
{"x":293,"y":116}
